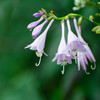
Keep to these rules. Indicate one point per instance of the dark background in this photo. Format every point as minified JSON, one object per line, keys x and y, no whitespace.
{"x":20,"y":79}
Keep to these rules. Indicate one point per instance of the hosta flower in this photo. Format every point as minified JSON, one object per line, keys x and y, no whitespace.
{"x":62,"y":56}
{"x":39,"y":43}
{"x":38,"y":14}
{"x":38,"y":29}
{"x":83,"y":56}
{"x":73,"y":43}
{"x":33,"y":24}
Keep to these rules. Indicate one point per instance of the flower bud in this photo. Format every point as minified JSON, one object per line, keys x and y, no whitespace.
{"x":98,"y":31}
{"x":91,"y":18}
{"x":38,"y":14}
{"x":79,"y":21}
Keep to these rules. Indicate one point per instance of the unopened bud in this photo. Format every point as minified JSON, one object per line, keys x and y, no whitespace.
{"x":79,"y":21}
{"x":98,"y":31}
{"x":75,"y":8}
{"x":52,"y":11}
{"x":95,"y":28}
{"x":91,"y":18}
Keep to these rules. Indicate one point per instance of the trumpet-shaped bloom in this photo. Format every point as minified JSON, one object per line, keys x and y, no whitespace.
{"x":73,"y":43}
{"x":38,"y":29}
{"x":39,"y":42}
{"x":33,"y":24}
{"x":83,"y":56}
{"x":62,"y":56}
{"x":38,"y":14}
{"x":82,"y":60}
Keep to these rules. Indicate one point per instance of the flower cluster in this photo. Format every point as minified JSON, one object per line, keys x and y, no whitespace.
{"x":74,"y":48}
{"x":80,"y":4}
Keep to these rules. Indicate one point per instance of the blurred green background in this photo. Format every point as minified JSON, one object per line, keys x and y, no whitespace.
{"x":20,"y":79}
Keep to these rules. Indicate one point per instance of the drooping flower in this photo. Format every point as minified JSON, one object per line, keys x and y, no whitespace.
{"x":38,"y":29}
{"x":62,"y":55}
{"x":83,"y":56}
{"x":73,"y":43}
{"x":33,"y":24}
{"x":82,"y":59}
{"x":38,"y":14}
{"x":39,"y":43}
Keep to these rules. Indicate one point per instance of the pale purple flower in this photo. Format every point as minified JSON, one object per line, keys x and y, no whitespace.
{"x":73,"y":43}
{"x":38,"y":14}
{"x":82,"y":60}
{"x":62,"y":56}
{"x":83,"y":56}
{"x":38,"y":29}
{"x":33,"y":24}
{"x":39,"y":43}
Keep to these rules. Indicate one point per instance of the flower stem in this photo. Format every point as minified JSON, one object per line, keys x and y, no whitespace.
{"x":70,"y":16}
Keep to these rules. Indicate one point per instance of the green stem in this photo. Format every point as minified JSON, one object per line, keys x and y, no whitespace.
{"x":72,"y":15}
{"x":78,"y":15}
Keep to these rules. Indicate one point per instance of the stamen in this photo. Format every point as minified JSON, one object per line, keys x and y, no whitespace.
{"x":75,"y":60}
{"x":78,"y":68}
{"x":74,"y":52}
{"x":39,"y":54}
{"x":63,"y":70}
{"x":87,"y":63}
{"x":87,"y":72}
{"x":91,"y":59}
{"x":93,"y":67}
{"x":37,"y":64}
{"x":63,"y":62}
{"x":73,"y":49}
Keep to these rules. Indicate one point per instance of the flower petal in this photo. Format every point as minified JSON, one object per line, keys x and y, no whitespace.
{"x":89,"y":54}
{"x":54,"y":58}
